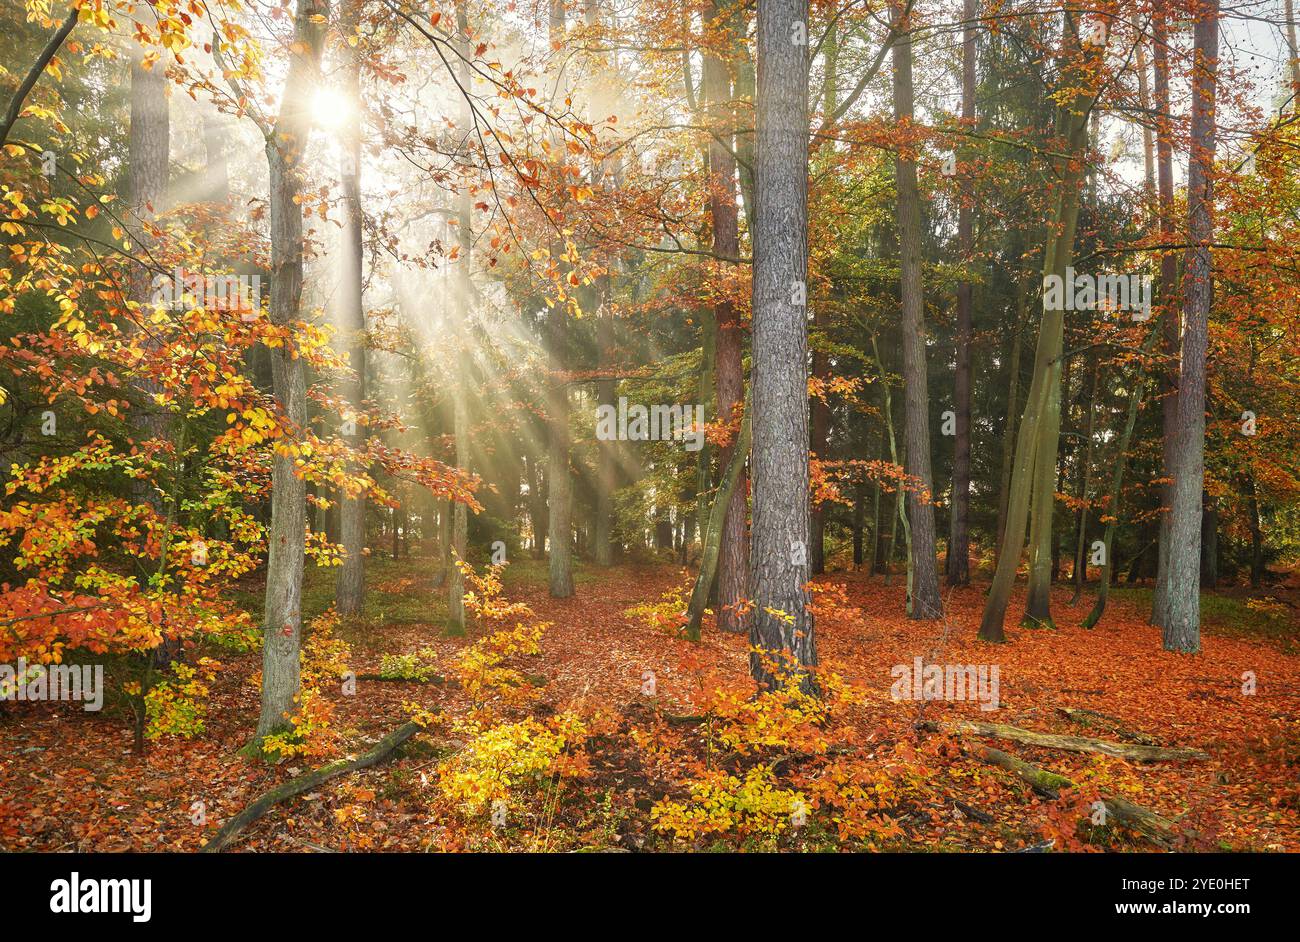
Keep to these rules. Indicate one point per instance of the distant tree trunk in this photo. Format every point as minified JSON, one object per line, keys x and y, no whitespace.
{"x":859,"y":513}
{"x":900,"y":492}
{"x":1256,"y":532}
{"x":1182,"y":628}
{"x":733,"y":567}
{"x":282,"y":622}
{"x":1033,"y":479}
{"x":1013,"y":394}
{"x":148,"y":161}
{"x":609,"y":169}
{"x":350,"y":590}
{"x":606,"y":390}
{"x":559,"y":476}
{"x":1170,"y":314}
{"x":780,"y":369}
{"x":1293,"y":58}
{"x":537,"y":506}
{"x":463,"y":293}
{"x":216,"y":167}
{"x":958,"y":558}
{"x":916,"y":396}
{"x":1209,"y":543}
{"x":1080,"y":573}
{"x":1111,"y":512}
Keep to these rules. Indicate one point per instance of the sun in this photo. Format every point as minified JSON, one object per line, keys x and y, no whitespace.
{"x":329,"y":108}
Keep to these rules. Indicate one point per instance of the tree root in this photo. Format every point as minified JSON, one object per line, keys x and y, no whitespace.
{"x":305,"y":783}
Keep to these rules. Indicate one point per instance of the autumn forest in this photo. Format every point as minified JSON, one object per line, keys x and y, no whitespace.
{"x":649,"y":426}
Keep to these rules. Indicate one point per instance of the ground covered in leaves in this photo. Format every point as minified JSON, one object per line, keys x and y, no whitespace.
{"x":610,"y":733}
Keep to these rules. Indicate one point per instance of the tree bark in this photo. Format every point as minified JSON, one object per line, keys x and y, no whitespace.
{"x":1169,"y":312}
{"x":925,"y":600}
{"x":958,"y":558}
{"x":783,"y":631}
{"x":349,"y":592}
{"x":282,"y":622}
{"x":1181,"y":628}
{"x":733,"y":571}
{"x":1033,"y":478}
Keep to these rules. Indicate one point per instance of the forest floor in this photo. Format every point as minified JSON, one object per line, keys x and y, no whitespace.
{"x":70,"y":781}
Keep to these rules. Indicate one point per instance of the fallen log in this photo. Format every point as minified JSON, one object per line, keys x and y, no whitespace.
{"x":1090,"y":717}
{"x":1134,"y":752}
{"x":305,"y":783}
{"x":1154,"y":827}
{"x":435,"y":679}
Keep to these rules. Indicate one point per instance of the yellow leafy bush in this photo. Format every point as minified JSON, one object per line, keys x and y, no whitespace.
{"x":720,"y":804}
{"x":500,"y":759}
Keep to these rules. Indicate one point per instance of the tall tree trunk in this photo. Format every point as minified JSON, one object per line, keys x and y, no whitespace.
{"x":1182,"y":626}
{"x":821,"y":361}
{"x":1013,"y":402}
{"x":148,"y":161}
{"x":1033,"y":478}
{"x":733,"y":568}
{"x":958,"y":559}
{"x":1170,"y":314}
{"x":559,"y":491}
{"x":925,"y":600}
{"x":463,"y":291}
{"x":350,"y":590}
{"x":783,"y":630}
{"x":282,"y":622}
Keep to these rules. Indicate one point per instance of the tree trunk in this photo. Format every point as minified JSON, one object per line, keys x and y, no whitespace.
{"x":783,"y":632}
{"x":1080,"y":573}
{"x":148,"y":161}
{"x":733,"y":571}
{"x":463,"y":291}
{"x":1209,"y":543}
{"x":1169,"y":313}
{"x":1013,"y":399}
{"x":282,"y":622}
{"x":916,"y":396}
{"x":1033,"y":477}
{"x":350,"y":590}
{"x":1111,"y":513}
{"x":559,"y":491}
{"x":958,"y":558}
{"x":1182,"y":629}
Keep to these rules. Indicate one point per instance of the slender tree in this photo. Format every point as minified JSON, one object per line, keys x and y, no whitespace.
{"x":923,"y":600}
{"x":1182,"y":631}
{"x":733,"y":565}
{"x":285,"y":145}
{"x":349,"y":592}
{"x":958,"y":559}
